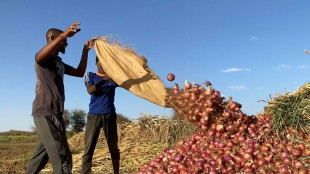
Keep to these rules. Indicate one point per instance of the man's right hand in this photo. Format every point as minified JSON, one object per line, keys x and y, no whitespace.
{"x":72,"y":30}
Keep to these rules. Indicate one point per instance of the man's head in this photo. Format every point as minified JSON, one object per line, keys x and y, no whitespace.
{"x":52,"y":34}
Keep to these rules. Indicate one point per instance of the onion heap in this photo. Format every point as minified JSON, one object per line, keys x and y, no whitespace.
{"x":229,"y":141}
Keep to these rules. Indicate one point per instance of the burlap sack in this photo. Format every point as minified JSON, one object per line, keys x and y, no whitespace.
{"x":130,"y":71}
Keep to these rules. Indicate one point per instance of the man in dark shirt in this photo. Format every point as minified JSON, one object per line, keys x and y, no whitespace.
{"x":48,"y":105}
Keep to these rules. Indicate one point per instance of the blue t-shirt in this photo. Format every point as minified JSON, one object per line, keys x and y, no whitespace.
{"x":102,"y":101}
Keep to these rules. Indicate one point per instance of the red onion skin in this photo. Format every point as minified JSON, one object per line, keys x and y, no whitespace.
{"x":220,"y":128}
{"x":269,"y":158}
{"x":301,"y":146}
{"x":287,"y":160}
{"x":283,"y":169}
{"x":284,"y":154}
{"x":298,"y":164}
{"x":296,"y":153}
{"x":170,"y":77}
{"x":212,"y":172}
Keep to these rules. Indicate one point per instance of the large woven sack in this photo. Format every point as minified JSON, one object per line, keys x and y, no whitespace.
{"x":130,"y":71}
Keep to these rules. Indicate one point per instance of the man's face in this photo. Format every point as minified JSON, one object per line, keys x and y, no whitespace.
{"x":62,"y":46}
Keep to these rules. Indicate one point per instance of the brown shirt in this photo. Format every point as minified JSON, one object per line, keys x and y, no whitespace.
{"x":50,"y":93}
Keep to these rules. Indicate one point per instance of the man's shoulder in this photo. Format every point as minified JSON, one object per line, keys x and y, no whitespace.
{"x":90,"y":74}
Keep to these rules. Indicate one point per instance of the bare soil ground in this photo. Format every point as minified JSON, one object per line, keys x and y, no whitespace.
{"x":14,"y":155}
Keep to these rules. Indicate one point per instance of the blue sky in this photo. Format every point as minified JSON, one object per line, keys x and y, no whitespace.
{"x":248,"y":49}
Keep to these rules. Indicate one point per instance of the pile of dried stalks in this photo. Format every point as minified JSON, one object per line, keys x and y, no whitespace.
{"x":291,"y":112}
{"x":139,"y":141}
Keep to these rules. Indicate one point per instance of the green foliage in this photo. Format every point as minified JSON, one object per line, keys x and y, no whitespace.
{"x":175,"y":116}
{"x":66,"y":117}
{"x":121,"y":118}
{"x":78,"y":120}
{"x":16,"y":133}
{"x":18,"y":138}
{"x":70,"y":133}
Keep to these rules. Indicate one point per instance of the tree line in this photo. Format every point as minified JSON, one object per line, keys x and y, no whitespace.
{"x":75,"y":120}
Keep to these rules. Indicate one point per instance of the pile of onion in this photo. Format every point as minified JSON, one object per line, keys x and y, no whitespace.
{"x":229,"y":140}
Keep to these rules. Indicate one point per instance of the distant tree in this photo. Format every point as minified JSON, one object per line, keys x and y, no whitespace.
{"x":66,"y":116}
{"x":78,"y":120}
{"x":34,"y":129}
{"x":121,"y":118}
{"x":176,"y":116}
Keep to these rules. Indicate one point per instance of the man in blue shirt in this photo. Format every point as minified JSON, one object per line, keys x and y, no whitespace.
{"x":101,"y":115}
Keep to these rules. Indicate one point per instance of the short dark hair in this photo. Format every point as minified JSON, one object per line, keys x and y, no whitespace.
{"x":53,"y":32}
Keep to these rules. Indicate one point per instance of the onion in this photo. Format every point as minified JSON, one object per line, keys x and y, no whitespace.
{"x":278,"y":163}
{"x":303,"y":171}
{"x":267,"y":119}
{"x":254,"y":165}
{"x":249,"y":149}
{"x":181,"y":166}
{"x":284,"y":154}
{"x":216,"y":92}
{"x":296,"y":153}
{"x":241,"y":138}
{"x":287,"y":160}
{"x":227,"y":158}
{"x":209,"y":103}
{"x":226,"y":114}
{"x":203,"y":121}
{"x":196,"y":89}
{"x":221,"y":145}
{"x":240,"y":114}
{"x":306,"y":151}
{"x":208,"y":92}
{"x":247,"y":156}
{"x":259,"y":155}
{"x":219,"y":127}
{"x":230,"y":144}
{"x":283,"y":169}
{"x":208,"y":83}
{"x":198,"y":137}
{"x":188,"y":86}
{"x":213,"y":172}
{"x":174,"y":169}
{"x":193,"y":98}
{"x":252,"y":125}
{"x":186,"y":95}
{"x":241,"y":129}
{"x":289,"y":148}
{"x":275,"y":150}
{"x":268,"y":158}
{"x":298,"y":164}
{"x":264,"y":148}
{"x":170,"y":77}
{"x":301,"y":146}
{"x":261,"y":162}
{"x":204,"y":127}
{"x":248,"y":169}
